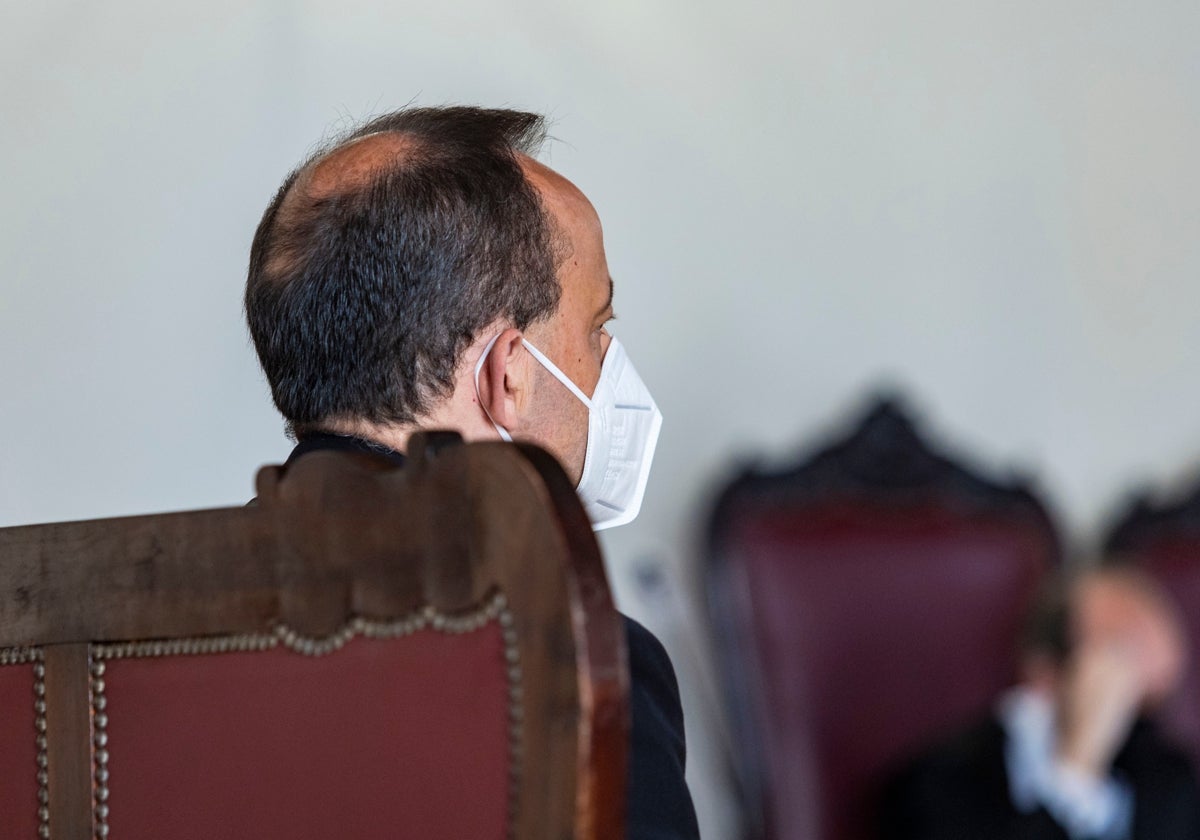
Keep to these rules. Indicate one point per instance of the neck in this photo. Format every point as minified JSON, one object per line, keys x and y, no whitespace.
{"x":393,"y":437}
{"x":460,"y":413}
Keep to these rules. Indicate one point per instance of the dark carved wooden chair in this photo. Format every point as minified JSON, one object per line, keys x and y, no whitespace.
{"x":365,"y":652}
{"x":863,"y":601}
{"x":1164,"y":539}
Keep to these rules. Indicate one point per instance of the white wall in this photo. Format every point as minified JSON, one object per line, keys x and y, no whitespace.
{"x":995,"y":204}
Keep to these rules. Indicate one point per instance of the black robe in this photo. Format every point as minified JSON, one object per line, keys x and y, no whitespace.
{"x":959,"y":791}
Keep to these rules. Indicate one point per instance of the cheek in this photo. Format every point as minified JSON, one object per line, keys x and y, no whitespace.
{"x":593,"y":363}
{"x":560,"y":423}
{"x":573,"y":436}
{"x":575,"y":418}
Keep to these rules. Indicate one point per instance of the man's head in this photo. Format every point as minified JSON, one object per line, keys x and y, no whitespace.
{"x":389,"y":259}
{"x":1112,"y":606}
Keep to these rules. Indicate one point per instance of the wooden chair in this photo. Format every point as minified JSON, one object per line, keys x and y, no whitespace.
{"x":1164,"y":539}
{"x":864,"y":601}
{"x":367,"y":651}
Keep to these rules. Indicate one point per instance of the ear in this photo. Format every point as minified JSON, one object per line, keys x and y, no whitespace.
{"x":502,"y":380}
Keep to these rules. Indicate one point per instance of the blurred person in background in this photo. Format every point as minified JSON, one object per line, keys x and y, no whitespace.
{"x":1070,"y":753}
{"x":424,"y":271}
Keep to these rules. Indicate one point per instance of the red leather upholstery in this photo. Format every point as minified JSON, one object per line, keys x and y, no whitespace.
{"x":368,"y":741}
{"x":873,"y":629}
{"x":18,"y":753}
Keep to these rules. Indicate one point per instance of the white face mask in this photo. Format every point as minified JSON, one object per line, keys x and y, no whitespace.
{"x":623,"y":426}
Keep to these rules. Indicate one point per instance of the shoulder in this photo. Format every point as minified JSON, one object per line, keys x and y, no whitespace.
{"x":659,"y":804}
{"x":1151,"y":759}
{"x":966,"y":765}
{"x":978,"y":744}
{"x":1164,"y":784}
{"x":653,"y":692}
{"x":649,"y":661}
{"x":955,"y":789}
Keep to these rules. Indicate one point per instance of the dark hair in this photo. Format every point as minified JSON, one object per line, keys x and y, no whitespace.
{"x":1047,"y":627}
{"x":361,"y":300}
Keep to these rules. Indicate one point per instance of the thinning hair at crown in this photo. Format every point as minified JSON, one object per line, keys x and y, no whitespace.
{"x":355,"y":160}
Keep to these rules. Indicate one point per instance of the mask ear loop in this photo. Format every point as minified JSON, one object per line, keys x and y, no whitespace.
{"x":588,"y":458}
{"x":558,"y":374}
{"x":503,"y":432}
{"x":544,"y":361}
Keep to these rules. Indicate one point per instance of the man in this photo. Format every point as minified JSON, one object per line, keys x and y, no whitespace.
{"x":425,"y":271}
{"x":1069,"y":753}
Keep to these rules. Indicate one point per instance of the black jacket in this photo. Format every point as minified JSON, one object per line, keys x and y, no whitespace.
{"x":959,"y":791}
{"x":658,"y":804}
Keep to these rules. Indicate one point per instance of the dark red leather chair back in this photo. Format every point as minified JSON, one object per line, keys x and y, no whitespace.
{"x":866,"y":601}
{"x":1164,"y":539}
{"x":21,"y":691}
{"x":406,"y":736}
{"x":367,"y":652}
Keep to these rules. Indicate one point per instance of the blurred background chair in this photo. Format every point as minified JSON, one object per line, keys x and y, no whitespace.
{"x":863,"y":601}
{"x":365,"y":652}
{"x":1164,"y":539}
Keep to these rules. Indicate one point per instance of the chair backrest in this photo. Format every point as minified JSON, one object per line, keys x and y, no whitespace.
{"x":864,"y":601}
{"x":1164,"y":539}
{"x":367,"y":651}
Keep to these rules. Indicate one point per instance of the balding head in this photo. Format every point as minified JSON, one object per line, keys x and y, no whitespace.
{"x":348,"y":168}
{"x":383,"y":255}
{"x":355,"y":164}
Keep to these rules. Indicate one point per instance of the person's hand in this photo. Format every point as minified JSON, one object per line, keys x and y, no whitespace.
{"x":1099,"y":700}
